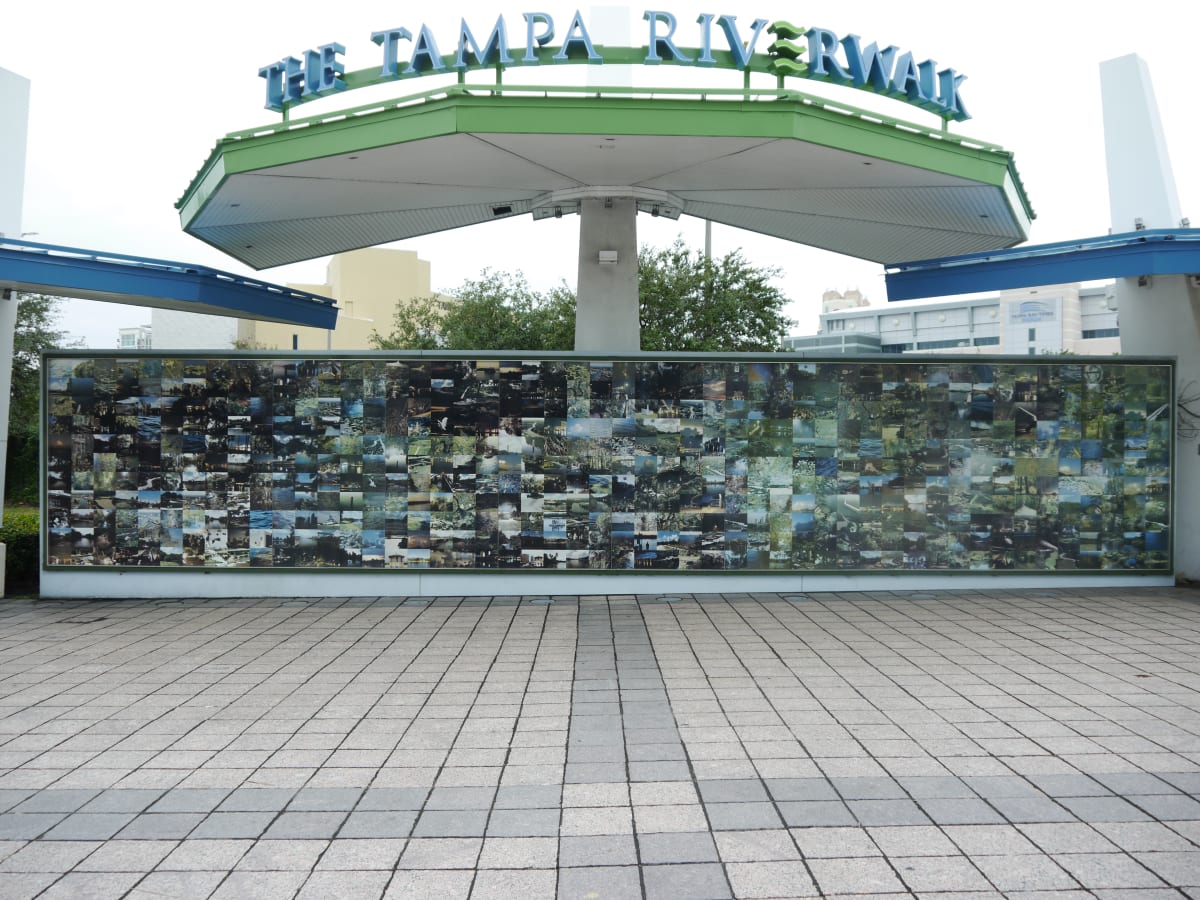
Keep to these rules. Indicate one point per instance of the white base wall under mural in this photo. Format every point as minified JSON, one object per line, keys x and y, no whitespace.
{"x":174,"y":584}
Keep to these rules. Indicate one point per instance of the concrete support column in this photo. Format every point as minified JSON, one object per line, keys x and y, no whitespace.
{"x":606,"y":310}
{"x":1162,"y":316}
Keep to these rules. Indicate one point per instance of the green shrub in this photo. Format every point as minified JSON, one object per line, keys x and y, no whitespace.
{"x":21,"y":532}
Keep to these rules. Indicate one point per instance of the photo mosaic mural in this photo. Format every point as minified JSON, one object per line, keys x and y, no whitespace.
{"x":779,"y":463}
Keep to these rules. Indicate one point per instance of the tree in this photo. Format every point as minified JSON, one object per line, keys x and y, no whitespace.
{"x":35,"y":330}
{"x":686,"y":303}
{"x":497,"y":311}
{"x":689,"y":302}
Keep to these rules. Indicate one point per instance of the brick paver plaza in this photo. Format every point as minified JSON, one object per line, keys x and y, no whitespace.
{"x":982,"y":744}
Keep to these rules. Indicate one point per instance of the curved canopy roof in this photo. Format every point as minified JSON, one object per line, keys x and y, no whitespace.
{"x":772,"y":161}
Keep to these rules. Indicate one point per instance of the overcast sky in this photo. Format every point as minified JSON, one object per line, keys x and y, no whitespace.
{"x":128,"y":99}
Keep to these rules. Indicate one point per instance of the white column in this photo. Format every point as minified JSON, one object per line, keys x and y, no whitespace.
{"x":606,"y":308}
{"x":14,"y":126}
{"x":1162,"y":317}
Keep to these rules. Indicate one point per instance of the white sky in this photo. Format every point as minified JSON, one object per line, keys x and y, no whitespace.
{"x":129,"y":97}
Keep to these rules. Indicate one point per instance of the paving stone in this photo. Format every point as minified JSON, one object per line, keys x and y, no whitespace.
{"x":448,"y":798}
{"x":597,"y":850}
{"x":743,"y":790}
{"x":93,"y":885}
{"x":275,"y":855}
{"x":1068,"y":837}
{"x":126,"y":856}
{"x":854,"y":876}
{"x":609,"y":882}
{"x":239,"y":885}
{"x":834,"y":842}
{"x":431,"y":883}
{"x":677,"y":847}
{"x":524,"y":822}
{"x":1096,"y":871}
{"x":48,"y":856}
{"x":336,"y":886}
{"x":597,"y":820}
{"x":451,"y":823}
{"x":1024,"y":873}
{"x":659,"y":771}
{"x":941,"y":874}
{"x":651,"y":819}
{"x":686,"y":881}
{"x":205,"y":855}
{"x":770,"y":879}
{"x":158,"y":885}
{"x":361,"y":854}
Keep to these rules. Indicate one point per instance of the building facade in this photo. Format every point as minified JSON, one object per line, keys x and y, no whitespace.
{"x":138,"y":337}
{"x":1064,"y":318}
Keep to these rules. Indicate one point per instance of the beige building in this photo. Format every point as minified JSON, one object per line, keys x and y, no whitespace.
{"x":368,"y":286}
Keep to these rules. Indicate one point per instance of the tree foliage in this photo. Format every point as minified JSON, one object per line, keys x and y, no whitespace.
{"x":497,"y":311}
{"x":689,"y":302}
{"x":686,"y":303}
{"x":36,"y":330}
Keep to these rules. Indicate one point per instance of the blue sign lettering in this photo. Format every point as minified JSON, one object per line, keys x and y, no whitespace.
{"x":577,"y":39}
{"x":532,"y":20}
{"x":885,"y":71}
{"x":390,"y":41}
{"x":660,"y":44}
{"x":495,"y":50}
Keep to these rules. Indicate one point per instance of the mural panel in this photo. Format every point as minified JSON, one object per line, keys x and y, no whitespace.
{"x":780,"y":464}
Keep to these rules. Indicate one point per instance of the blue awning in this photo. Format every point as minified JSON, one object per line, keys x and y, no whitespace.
{"x":118,"y":278}
{"x":1130,"y":255}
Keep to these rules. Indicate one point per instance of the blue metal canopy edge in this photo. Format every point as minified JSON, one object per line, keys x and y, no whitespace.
{"x":118,"y":278}
{"x":1161,"y":251}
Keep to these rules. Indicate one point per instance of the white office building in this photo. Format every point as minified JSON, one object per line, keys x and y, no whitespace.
{"x":1030,"y":321}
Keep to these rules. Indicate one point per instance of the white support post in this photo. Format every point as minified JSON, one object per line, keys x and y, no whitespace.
{"x":14,"y":125}
{"x":606,"y":309}
{"x":1161,"y":315}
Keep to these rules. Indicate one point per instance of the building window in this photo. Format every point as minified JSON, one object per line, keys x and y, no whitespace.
{"x":894,"y":348}
{"x":1033,"y":334}
{"x":941,"y":345}
{"x":1101,"y":333}
{"x":987,"y":342}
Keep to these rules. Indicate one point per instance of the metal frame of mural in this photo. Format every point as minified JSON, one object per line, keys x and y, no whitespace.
{"x":697,"y":462}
